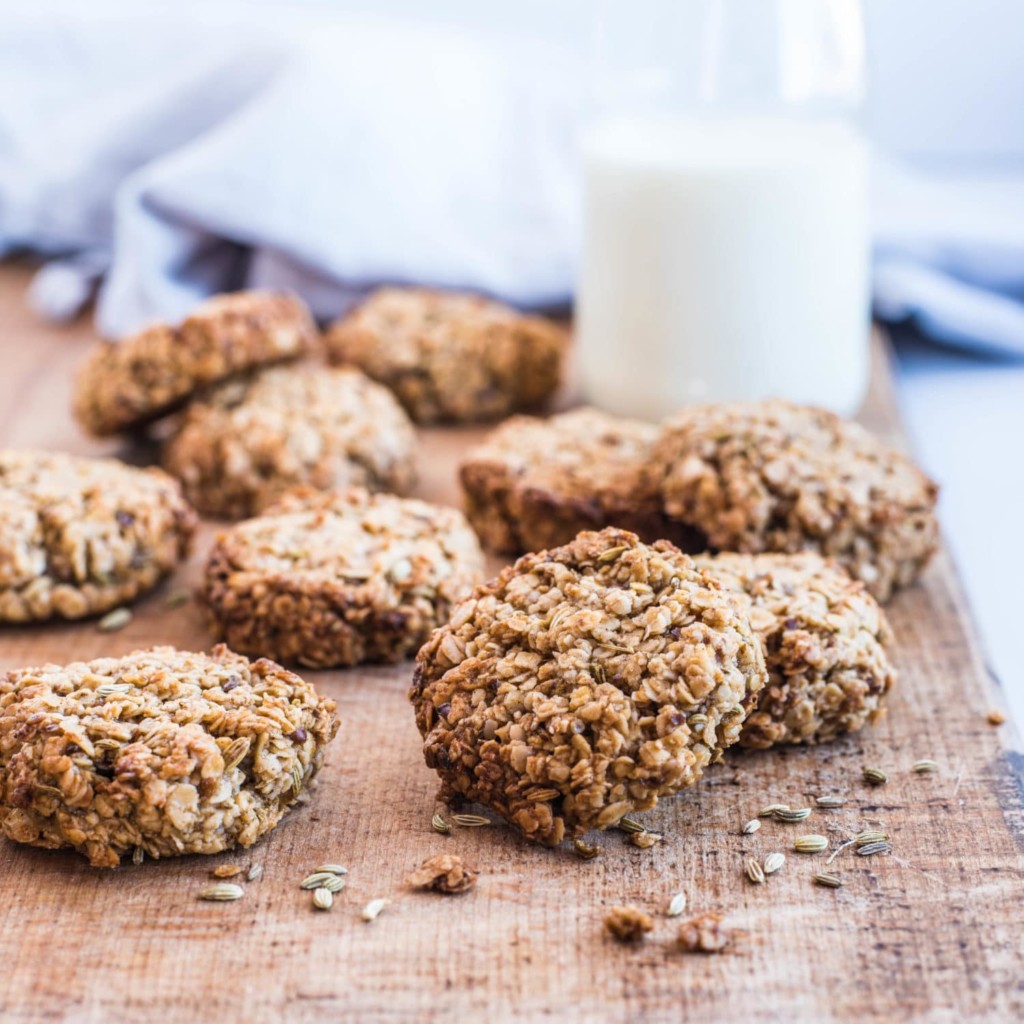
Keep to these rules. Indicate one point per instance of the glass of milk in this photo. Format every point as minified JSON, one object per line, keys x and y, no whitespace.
{"x":725,"y":221}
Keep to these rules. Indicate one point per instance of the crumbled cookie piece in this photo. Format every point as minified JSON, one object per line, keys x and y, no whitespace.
{"x":338,"y":578}
{"x":825,"y":641}
{"x":446,"y":873}
{"x":451,"y":356}
{"x":774,"y":476}
{"x":165,"y":751}
{"x":81,"y":536}
{"x":536,"y":483}
{"x":129,"y":383}
{"x":704,"y":934}
{"x":585,"y":682}
{"x":252,"y":439}
{"x":628,"y":924}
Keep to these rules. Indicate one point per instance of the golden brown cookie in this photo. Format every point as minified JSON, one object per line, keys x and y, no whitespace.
{"x":250,"y":440}
{"x":774,"y":476}
{"x":81,"y":536}
{"x":451,"y":356}
{"x":825,"y":641}
{"x":584,"y":683}
{"x":535,"y":483}
{"x":164,"y":751}
{"x":340,"y":578}
{"x":129,"y":383}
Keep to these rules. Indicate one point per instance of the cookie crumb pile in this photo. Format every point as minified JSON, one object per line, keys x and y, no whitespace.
{"x":585,"y":682}
{"x":164,"y":751}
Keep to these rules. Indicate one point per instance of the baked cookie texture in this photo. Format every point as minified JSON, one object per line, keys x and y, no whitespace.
{"x":825,"y":640}
{"x":252,"y":439}
{"x":326,"y":579}
{"x":774,"y":476}
{"x":81,"y":536}
{"x":164,"y":751}
{"x":585,"y":682}
{"x":126,"y":384}
{"x":535,"y":483}
{"x":450,"y":356}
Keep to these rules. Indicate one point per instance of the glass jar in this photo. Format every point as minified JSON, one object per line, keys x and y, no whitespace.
{"x":726,"y":239}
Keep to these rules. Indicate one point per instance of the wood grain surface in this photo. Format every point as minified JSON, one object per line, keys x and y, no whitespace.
{"x":931,"y":933}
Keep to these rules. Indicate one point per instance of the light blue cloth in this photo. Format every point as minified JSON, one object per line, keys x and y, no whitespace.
{"x":173,"y":153}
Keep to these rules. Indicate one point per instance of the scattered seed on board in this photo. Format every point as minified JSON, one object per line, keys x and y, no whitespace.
{"x":226,"y":871}
{"x":333,"y":869}
{"x":471,"y":820}
{"x":771,"y":810}
{"x":790,"y":816}
{"x":372,"y":909}
{"x":584,"y":850}
{"x":177,"y":599}
{"x":754,"y":871}
{"x":829,"y":801}
{"x":138,"y":855}
{"x":628,"y":824}
{"x":925,"y":767}
{"x":874,"y":776}
{"x":323,"y":899}
{"x":995,"y":717}
{"x":828,"y":881}
{"x":871,"y":835}
{"x":872,"y":848}
{"x":677,"y":905}
{"x":319,"y":878}
{"x":810,"y":844}
{"x":645,"y":840}
{"x":751,"y":827}
{"x":773,"y":862}
{"x":438,"y":824}
{"x":115,"y":620}
{"x":222,"y":893}
{"x":255,"y":873}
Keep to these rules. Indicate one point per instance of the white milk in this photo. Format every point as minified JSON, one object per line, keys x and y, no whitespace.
{"x":723,"y":259}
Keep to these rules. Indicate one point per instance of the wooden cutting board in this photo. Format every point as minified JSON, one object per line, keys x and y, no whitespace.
{"x":931,"y":933}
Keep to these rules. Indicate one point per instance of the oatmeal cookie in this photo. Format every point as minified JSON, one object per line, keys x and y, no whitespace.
{"x":585,"y":682}
{"x":773,"y":476}
{"x":81,"y":536}
{"x":252,"y":439}
{"x":825,"y":646}
{"x":451,"y":356}
{"x":327,"y":579}
{"x":127,"y":384}
{"x":535,"y":483}
{"x":163,"y":751}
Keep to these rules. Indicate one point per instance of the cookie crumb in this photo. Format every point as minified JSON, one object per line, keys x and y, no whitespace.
{"x":704,"y":934}
{"x":628,"y":924}
{"x":446,"y":873}
{"x":995,"y":717}
{"x":226,"y":871}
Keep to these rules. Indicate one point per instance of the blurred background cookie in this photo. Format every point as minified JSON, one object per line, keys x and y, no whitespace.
{"x":774,"y":476}
{"x":339,"y":578}
{"x":536,"y":483}
{"x":81,"y":536}
{"x":449,"y":355}
{"x":825,"y":642}
{"x":162,"y":751}
{"x":129,"y":383}
{"x":584,"y":683}
{"x":249,"y":440}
